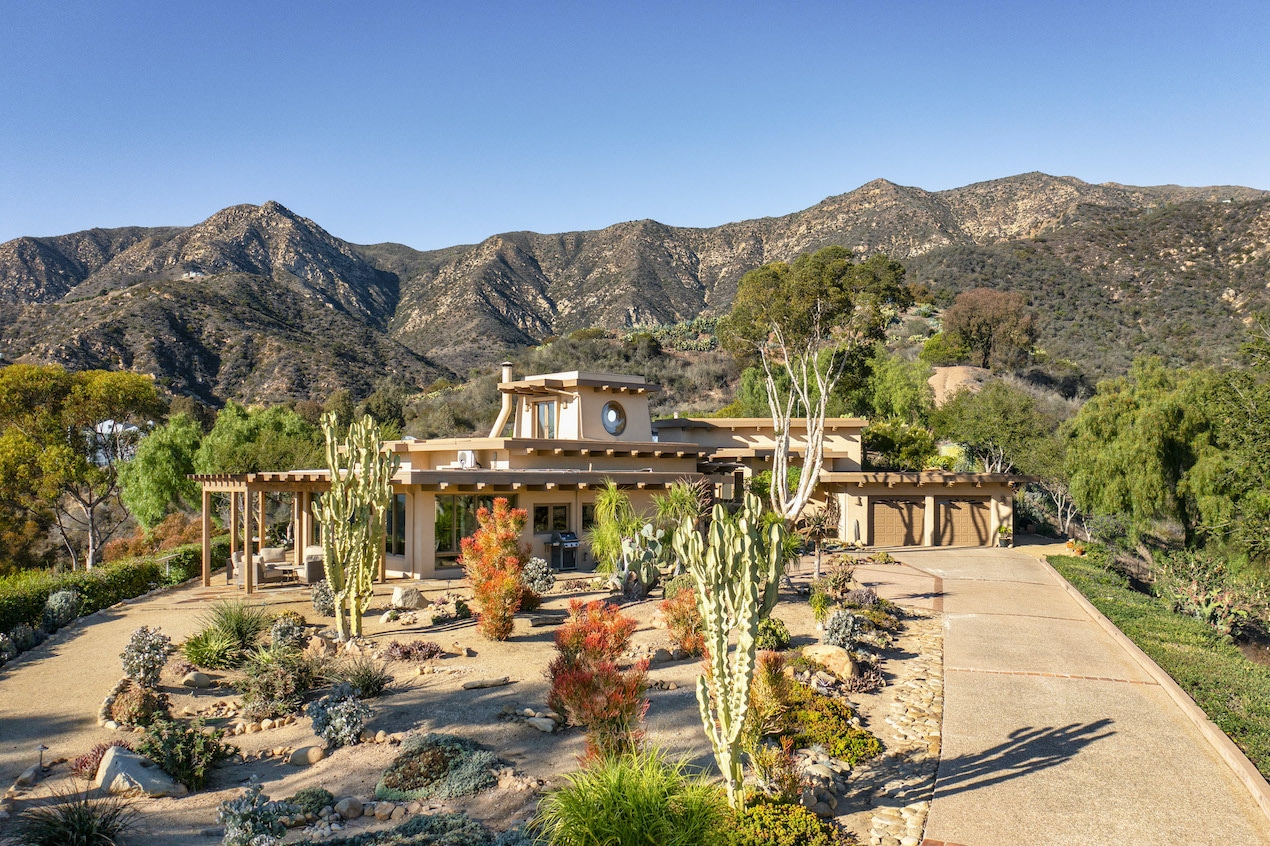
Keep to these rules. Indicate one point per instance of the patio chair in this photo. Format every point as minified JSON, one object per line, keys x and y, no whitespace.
{"x":312,"y":569}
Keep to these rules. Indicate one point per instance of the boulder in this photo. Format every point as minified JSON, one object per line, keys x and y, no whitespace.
{"x":319,"y":647}
{"x":543,"y":724}
{"x":407,"y":598}
{"x":197,"y":680}
{"x":126,"y":773}
{"x":306,"y":756}
{"x":349,"y":808}
{"x":660,"y":656}
{"x":29,"y":777}
{"x":835,"y":659}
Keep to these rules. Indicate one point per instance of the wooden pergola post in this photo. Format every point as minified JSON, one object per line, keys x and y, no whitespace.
{"x":207,"y":538}
{"x":249,"y":566}
{"x":261,"y":523}
{"x":234,"y":519}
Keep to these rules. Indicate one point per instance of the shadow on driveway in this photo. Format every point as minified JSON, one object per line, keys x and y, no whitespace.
{"x":1027,"y":751}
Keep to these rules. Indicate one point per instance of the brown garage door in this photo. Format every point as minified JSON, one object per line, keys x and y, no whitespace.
{"x":896,"y":522}
{"x":964,"y":522}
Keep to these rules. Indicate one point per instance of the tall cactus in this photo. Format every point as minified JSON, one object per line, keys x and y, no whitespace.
{"x":735,"y":564}
{"x":351,"y":515}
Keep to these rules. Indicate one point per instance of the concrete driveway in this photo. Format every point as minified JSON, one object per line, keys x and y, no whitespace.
{"x":1054,"y":733}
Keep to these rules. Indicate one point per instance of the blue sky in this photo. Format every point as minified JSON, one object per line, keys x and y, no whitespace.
{"x":434,"y":124}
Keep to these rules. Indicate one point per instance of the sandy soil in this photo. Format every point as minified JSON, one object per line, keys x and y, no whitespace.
{"x":51,"y":695}
{"x":946,"y":381}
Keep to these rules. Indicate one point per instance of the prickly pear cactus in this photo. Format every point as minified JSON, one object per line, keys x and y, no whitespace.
{"x":641,"y":555}
{"x":351,"y":515}
{"x":736,"y":563}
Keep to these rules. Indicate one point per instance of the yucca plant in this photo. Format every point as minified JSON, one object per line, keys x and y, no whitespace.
{"x":366,"y":676}
{"x":75,"y":819}
{"x":212,"y":650}
{"x":243,"y":622}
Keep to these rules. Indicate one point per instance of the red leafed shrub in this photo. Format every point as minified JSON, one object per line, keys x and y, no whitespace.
{"x":595,"y":631}
{"x":85,"y":766}
{"x":683,"y":622}
{"x":586,"y":685}
{"x":492,"y":559}
{"x":177,"y":529}
{"x":608,"y":701}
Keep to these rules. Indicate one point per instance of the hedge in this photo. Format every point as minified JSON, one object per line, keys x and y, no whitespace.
{"x":23,"y":594}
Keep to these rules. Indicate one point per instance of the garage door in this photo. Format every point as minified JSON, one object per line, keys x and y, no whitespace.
{"x":896,"y":522}
{"x":964,"y":522}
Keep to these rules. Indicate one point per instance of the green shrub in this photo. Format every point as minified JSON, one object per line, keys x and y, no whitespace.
{"x":286,"y":633}
{"x":76,"y":820}
{"x":437,"y":766}
{"x":843,"y":629}
{"x":367,"y":677}
{"x":212,"y":650}
{"x":243,"y":622}
{"x":144,"y":656}
{"x":323,"y":599}
{"x":637,"y":798}
{"x":274,"y":683}
{"x":765,"y":823}
{"x":820,"y":604}
{"x":339,"y":717}
{"x":682,"y":582}
{"x":423,"y":830}
{"x":185,"y":751}
{"x":816,"y":719}
{"x":311,"y":800}
{"x":772,"y":634}
{"x":24,"y":594}
{"x":60,"y":608}
{"x":26,"y":637}
{"x":415,"y":650}
{"x":252,"y":819}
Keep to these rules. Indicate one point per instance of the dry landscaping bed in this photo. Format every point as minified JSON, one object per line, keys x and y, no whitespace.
{"x":882,"y":801}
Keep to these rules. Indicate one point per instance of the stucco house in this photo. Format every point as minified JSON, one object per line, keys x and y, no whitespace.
{"x":560,"y":436}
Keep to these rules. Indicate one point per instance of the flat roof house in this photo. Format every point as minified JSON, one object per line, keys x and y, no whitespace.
{"x":560,"y":436}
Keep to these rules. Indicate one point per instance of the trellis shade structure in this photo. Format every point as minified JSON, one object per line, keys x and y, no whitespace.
{"x":247,"y":493}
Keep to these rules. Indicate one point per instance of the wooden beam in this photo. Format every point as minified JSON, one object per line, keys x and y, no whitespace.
{"x":207,"y":538}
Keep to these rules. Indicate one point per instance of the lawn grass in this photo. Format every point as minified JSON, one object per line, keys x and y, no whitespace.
{"x":1232,"y":690}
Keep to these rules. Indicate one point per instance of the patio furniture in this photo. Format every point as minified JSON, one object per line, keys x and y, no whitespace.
{"x":270,"y":567}
{"x":311,"y":569}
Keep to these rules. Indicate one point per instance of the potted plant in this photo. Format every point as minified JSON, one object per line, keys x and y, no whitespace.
{"x":1005,"y":536}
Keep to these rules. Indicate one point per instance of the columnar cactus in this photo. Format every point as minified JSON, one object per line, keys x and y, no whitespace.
{"x":731,"y":568}
{"x":351,"y":515}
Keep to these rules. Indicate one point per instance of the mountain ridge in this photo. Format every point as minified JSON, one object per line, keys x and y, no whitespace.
{"x":232,"y":299}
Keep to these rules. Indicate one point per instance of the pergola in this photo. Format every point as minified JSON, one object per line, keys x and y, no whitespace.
{"x":246,"y":512}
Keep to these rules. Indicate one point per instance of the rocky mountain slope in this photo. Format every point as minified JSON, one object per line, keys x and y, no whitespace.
{"x":259,"y":303}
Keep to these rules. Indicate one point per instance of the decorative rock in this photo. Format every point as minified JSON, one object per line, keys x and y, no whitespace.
{"x":836,"y":659}
{"x":28,"y":778}
{"x":306,"y":756}
{"x":407,"y":598}
{"x":398,"y":814}
{"x":538,"y":620}
{"x":381,"y":736}
{"x":543,"y":724}
{"x":349,"y":808}
{"x":390,"y":615}
{"x":123,"y":771}
{"x":820,"y":809}
{"x":477,"y":684}
{"x":252,"y":728}
{"x":197,"y":680}
{"x":383,"y":811}
{"x":661,"y":656}
{"x":266,"y":724}
{"x":318,"y":647}
{"x":414,"y":807}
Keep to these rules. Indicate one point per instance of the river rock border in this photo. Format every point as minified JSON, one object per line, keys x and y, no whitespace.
{"x":902,"y":781}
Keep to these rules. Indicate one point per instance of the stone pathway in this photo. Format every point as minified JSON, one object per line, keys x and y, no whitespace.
{"x":902,"y":779}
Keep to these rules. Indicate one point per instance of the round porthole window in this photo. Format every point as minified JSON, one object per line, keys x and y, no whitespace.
{"x":614,"y":417}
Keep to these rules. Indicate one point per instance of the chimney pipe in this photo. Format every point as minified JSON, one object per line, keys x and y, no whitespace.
{"x":506,"y":410}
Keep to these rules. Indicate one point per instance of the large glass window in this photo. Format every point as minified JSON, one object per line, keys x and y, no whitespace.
{"x":456,"y":519}
{"x":395,"y":526}
{"x":551,"y":518}
{"x":545,"y":419}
